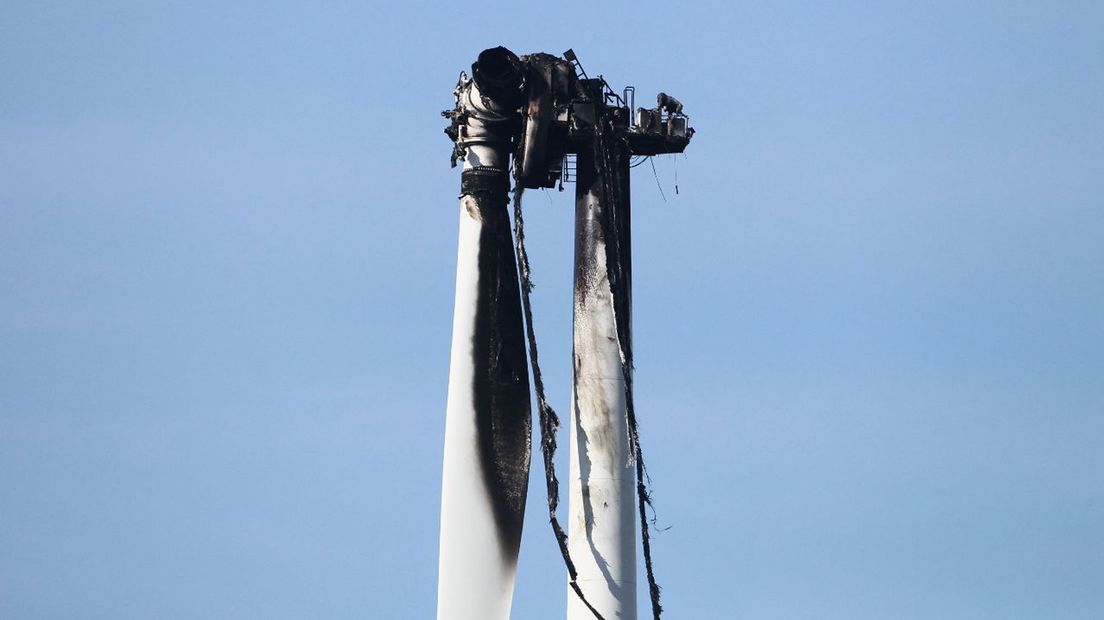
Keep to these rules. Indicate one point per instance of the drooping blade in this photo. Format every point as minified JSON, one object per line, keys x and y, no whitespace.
{"x":488,"y":419}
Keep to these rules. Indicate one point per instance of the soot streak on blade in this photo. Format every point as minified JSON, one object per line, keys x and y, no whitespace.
{"x":501,"y":383}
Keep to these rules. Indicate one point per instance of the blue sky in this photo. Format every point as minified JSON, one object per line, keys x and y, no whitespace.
{"x":869,"y":326}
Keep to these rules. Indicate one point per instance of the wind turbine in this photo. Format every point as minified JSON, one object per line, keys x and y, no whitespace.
{"x":553,"y":120}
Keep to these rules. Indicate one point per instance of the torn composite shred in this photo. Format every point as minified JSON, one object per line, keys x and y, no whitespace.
{"x":549,"y":421}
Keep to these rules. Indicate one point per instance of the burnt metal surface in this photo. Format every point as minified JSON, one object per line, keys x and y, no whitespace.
{"x":542,"y":143}
{"x":500,"y":76}
{"x":553,"y":108}
{"x":501,"y":382}
{"x":605,"y":174}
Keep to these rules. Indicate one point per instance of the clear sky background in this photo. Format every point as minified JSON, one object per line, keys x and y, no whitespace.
{"x":869,"y":325}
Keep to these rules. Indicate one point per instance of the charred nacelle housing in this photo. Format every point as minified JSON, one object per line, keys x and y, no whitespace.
{"x":546,"y":118}
{"x":546,"y":108}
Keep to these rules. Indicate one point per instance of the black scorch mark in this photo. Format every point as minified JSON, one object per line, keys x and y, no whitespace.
{"x":501,"y":383}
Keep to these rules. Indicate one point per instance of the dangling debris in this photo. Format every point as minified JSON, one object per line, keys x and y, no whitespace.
{"x":549,"y":421}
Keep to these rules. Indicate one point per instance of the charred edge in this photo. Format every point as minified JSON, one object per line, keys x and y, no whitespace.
{"x":549,"y":421}
{"x":588,"y":213}
{"x":611,"y":155}
{"x":501,"y":383}
{"x":499,"y":75}
{"x":605,"y":175}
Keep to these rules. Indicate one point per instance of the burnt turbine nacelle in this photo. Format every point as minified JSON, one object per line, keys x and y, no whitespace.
{"x":559,"y":117}
{"x":545,"y":120}
{"x":545,"y":108}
